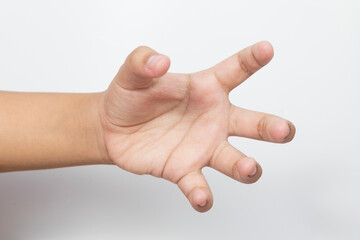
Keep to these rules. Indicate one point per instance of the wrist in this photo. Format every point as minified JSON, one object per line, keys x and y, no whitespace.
{"x":96,"y":128}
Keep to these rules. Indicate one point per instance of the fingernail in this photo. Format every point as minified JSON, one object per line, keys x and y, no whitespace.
{"x":253,"y":173}
{"x":199,"y":198}
{"x":202,"y":204}
{"x":287,"y":134}
{"x":153,"y":61}
{"x":282,"y":131}
{"x":290,"y":129}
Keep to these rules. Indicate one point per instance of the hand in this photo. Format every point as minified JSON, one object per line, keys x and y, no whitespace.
{"x":172,"y":125}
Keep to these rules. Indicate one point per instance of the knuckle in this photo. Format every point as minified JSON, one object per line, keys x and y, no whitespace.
{"x":137,"y":59}
{"x":249,"y":64}
{"x":244,"y":66}
{"x":139,"y":55}
{"x":140,"y":49}
{"x":261,"y":128}
{"x":255,"y":61}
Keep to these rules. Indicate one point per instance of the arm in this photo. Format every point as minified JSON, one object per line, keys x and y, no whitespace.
{"x":49,"y":130}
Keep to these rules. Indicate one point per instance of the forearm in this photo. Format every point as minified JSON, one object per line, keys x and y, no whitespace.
{"x":49,"y":130}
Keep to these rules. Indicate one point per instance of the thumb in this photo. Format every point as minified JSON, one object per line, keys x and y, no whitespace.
{"x":140,"y":67}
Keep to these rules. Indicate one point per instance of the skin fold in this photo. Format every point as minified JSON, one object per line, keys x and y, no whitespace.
{"x":148,"y":121}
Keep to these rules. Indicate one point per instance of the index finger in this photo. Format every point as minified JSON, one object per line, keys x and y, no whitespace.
{"x":236,"y":69}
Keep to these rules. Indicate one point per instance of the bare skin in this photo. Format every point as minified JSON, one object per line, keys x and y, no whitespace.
{"x":148,"y":122}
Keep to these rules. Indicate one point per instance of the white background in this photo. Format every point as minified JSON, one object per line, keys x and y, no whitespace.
{"x":310,"y":187}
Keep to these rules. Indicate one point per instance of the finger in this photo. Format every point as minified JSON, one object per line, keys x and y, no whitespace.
{"x":260,"y":126}
{"x":236,"y":69}
{"x":233,"y":163}
{"x":140,"y":67}
{"x":197,"y":191}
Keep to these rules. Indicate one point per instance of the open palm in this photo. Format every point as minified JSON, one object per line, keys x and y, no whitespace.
{"x":172,"y":125}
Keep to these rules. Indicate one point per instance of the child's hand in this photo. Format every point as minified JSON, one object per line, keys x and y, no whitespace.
{"x":172,"y":125}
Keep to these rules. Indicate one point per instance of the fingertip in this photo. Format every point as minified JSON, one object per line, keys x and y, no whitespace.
{"x":141,"y":67}
{"x":199,"y":197}
{"x":282,"y":131}
{"x":256,"y":175}
{"x":196,"y":190}
{"x":279,"y":131}
{"x":157,"y":65}
{"x":247,"y":168}
{"x":200,"y":200}
{"x":263,"y":52}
